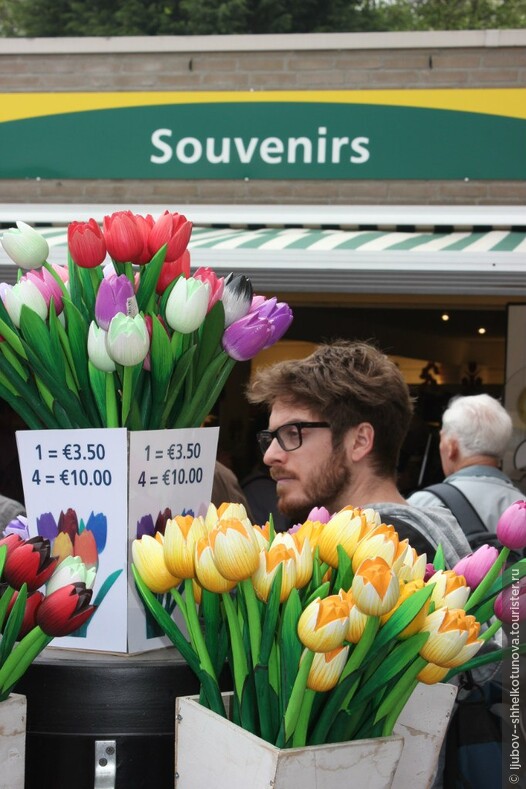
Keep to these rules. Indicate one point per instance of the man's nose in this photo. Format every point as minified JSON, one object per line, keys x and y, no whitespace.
{"x":273,"y":453}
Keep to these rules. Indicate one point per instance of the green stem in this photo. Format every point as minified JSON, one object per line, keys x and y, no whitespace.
{"x":362,"y":647}
{"x":299,"y":738}
{"x":112,"y":413}
{"x":492,"y":629}
{"x":127,"y":391}
{"x":292,"y":713}
{"x":21,"y":658}
{"x":239,"y":658}
{"x":397,"y":708}
{"x":194,"y":628}
{"x":182,"y":608}
{"x":393,"y":703}
{"x":254,"y":621}
{"x":128,"y":270}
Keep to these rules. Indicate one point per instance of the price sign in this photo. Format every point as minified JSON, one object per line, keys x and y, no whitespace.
{"x":87,"y":471}
{"x":171,"y":468}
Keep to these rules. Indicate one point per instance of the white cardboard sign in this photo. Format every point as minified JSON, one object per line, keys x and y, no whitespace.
{"x":112,"y":479}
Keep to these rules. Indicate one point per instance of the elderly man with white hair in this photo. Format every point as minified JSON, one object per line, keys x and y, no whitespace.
{"x":476,"y":431}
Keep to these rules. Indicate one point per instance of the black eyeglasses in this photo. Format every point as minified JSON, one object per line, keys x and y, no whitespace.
{"x":289,"y":436}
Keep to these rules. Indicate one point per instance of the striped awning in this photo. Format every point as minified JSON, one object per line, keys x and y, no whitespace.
{"x":301,"y":259}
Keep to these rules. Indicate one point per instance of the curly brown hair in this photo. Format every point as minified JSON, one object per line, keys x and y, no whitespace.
{"x":346,"y":383}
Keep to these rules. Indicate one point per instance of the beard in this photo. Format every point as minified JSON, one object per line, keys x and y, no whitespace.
{"x":323,"y":488}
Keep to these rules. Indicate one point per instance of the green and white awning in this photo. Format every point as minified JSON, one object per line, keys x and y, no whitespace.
{"x":301,"y":259}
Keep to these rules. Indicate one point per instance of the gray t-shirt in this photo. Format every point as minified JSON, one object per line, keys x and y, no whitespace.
{"x":426,"y":529}
{"x":488,"y":490}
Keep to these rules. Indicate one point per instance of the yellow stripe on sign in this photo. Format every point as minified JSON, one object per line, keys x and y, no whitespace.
{"x":506,"y":102}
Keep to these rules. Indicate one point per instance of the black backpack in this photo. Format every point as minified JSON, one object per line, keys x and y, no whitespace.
{"x":470,"y":522}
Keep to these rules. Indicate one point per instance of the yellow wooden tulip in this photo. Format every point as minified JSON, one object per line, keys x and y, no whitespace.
{"x":205,"y":568}
{"x":278,"y":555}
{"x":323,"y":625}
{"x":346,"y":528}
{"x":235,"y":549}
{"x":180,"y":537}
{"x":413,"y":565}
{"x":449,"y":632}
{"x":148,"y":558}
{"x":450,"y":589}
{"x":381,"y":541}
{"x":431,"y":674}
{"x":326,"y":669}
{"x":357,"y":619}
{"x":302,"y":552}
{"x":375,"y":587}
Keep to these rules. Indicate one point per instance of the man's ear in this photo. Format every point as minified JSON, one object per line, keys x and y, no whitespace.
{"x":360,"y":441}
{"x":452,"y":449}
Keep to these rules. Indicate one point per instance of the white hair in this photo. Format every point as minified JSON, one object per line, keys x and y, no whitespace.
{"x":480,"y":424}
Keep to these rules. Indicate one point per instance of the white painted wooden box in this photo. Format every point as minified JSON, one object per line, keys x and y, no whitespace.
{"x":12,"y":741}
{"x":212,"y":751}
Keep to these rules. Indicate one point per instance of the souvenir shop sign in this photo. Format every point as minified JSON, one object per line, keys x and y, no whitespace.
{"x":361,"y":134}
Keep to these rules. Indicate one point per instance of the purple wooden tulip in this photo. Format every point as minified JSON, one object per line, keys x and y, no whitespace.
{"x":510,"y":605}
{"x":18,"y":526}
{"x":115,"y":295}
{"x":279,"y":314}
{"x":511,"y":526}
{"x":476,"y":566}
{"x":246,"y":337}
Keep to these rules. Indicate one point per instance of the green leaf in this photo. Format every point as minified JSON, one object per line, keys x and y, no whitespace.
{"x":149,"y":277}
{"x":322,"y":591}
{"x":162,"y":366}
{"x":206,"y":392}
{"x":167,"y":624}
{"x":21,"y":658}
{"x":13,"y":624}
{"x":36,"y":335}
{"x":19,"y":405}
{"x":290,"y":646}
{"x":344,"y":576}
{"x":77,"y":334}
{"x":399,"y":658}
{"x":268,"y":632}
{"x":34,"y":405}
{"x":176,"y":383}
{"x":97,"y":379}
{"x":403,"y":616}
{"x":210,"y":334}
{"x":511,"y":575}
{"x":439,"y":562}
{"x":5,"y":599}
{"x":484,"y":660}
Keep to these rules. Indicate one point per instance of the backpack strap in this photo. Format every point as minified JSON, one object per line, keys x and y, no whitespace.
{"x":460,"y":506}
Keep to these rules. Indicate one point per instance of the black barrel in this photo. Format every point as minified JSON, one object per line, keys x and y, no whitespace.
{"x":78,"y":700}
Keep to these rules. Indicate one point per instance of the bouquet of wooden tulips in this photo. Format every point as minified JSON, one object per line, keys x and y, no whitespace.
{"x":326,"y":628}
{"x":136,"y":343}
{"x":41,"y":597}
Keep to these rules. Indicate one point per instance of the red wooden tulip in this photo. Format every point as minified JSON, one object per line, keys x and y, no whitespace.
{"x":65,"y":610}
{"x":86,"y":243}
{"x":30,"y":563}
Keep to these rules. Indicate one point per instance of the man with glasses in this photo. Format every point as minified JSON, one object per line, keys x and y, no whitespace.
{"x":337,"y":421}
